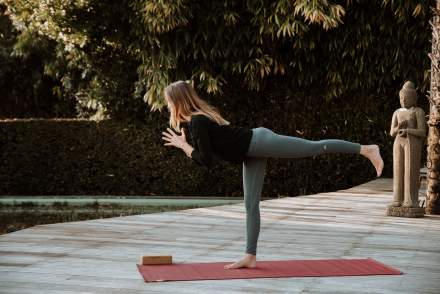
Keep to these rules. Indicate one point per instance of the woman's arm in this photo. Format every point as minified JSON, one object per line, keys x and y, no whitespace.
{"x":187,"y":149}
{"x":203,"y":153}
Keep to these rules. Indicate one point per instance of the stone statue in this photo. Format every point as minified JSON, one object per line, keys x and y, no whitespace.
{"x":408,"y":128}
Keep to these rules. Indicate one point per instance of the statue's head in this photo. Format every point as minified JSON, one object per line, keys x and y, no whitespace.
{"x":408,"y":95}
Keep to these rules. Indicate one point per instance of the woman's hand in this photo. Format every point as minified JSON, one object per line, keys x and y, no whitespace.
{"x":178,"y":141}
{"x":174,"y":139}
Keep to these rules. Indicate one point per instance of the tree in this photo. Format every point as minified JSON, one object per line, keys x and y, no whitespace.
{"x":433,"y":161}
{"x":25,"y":89}
{"x":118,"y":54}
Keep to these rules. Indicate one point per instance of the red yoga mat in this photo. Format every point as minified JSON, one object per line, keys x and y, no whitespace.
{"x":266,"y":269}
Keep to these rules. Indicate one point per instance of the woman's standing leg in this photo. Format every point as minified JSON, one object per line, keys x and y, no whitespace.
{"x":254,"y":171}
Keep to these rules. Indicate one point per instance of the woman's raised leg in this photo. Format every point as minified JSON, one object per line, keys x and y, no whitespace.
{"x":270,"y":144}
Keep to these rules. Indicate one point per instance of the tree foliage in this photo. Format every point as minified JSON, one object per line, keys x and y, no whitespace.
{"x":24,"y":86}
{"x":116,"y":55}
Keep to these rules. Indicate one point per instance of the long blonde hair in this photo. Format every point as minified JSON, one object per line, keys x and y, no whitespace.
{"x":185,"y":102}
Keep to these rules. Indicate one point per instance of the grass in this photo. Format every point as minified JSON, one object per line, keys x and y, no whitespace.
{"x":17,"y":216}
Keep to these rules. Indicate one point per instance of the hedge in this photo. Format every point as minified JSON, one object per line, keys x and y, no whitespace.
{"x":78,"y":156}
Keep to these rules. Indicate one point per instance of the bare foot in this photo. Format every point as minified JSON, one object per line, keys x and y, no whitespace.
{"x":248,"y":260}
{"x":373,"y":154}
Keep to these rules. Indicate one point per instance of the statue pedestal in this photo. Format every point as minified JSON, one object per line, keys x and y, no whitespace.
{"x":405,"y":211}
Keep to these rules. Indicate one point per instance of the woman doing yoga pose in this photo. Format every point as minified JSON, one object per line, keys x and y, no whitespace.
{"x":212,"y":137}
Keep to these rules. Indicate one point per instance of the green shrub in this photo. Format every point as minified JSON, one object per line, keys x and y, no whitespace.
{"x":67,"y":157}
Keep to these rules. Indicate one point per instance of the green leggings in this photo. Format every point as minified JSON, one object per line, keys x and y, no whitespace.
{"x":264,"y":144}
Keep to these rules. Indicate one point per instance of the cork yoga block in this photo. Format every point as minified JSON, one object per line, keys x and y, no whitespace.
{"x":155,"y":259}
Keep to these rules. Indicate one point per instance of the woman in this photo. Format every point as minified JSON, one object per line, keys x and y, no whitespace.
{"x":213,"y":137}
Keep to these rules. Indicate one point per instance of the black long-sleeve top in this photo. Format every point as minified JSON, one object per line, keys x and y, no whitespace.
{"x":212,"y":141}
